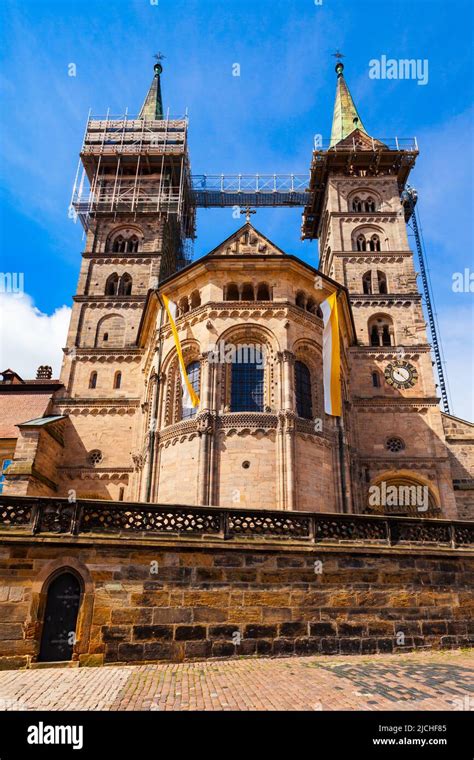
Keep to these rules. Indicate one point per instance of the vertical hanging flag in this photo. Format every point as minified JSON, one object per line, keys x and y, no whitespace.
{"x":190,"y":397}
{"x":331,"y":357}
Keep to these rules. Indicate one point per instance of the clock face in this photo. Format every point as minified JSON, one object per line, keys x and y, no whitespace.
{"x":401,"y":375}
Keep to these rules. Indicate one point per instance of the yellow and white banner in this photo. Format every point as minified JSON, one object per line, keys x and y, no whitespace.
{"x":190,"y":397}
{"x":331,"y":357}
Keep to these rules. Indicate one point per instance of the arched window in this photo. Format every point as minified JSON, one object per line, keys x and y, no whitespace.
{"x":380,"y":330}
{"x":93,"y":380}
{"x":193,"y":371}
{"x":374,"y":243}
{"x":367,"y":283}
{"x":247,"y":381}
{"x":361,"y":244}
{"x":60,"y":618}
{"x":263,"y":292}
{"x":357,"y":204}
{"x":132,"y":244}
{"x":183,"y":306}
{"x":124,"y":243}
{"x":375,"y":379}
{"x":301,"y":299}
{"x":304,"y":405}
{"x":117,"y":380}
{"x":195,"y":299}
{"x":382,"y":282}
{"x":105,"y":337}
{"x":232,"y":292}
{"x":111,"y":285}
{"x":247,"y":292}
{"x":369,"y":205}
{"x":125,"y":286}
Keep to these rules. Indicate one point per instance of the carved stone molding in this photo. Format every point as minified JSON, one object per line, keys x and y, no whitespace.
{"x":286,"y":356}
{"x":205,"y":422}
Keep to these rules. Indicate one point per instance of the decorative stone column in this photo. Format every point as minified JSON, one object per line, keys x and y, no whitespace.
{"x":286,"y":459}
{"x":205,"y":426}
{"x":287,"y":360}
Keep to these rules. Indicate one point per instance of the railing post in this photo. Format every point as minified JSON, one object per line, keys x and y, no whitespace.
{"x":312,"y":529}
{"x":224,"y":520}
{"x":36,"y":518}
{"x":76,"y":519}
{"x":389,"y":532}
{"x":452,"y":532}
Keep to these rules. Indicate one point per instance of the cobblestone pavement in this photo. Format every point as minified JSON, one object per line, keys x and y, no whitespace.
{"x":415,"y":681}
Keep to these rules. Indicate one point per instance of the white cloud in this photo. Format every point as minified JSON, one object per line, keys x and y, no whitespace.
{"x":29,"y":338}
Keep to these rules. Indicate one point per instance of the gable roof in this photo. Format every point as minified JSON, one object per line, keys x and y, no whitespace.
{"x":247,"y":240}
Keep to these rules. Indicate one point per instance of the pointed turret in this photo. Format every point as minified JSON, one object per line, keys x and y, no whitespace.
{"x":346,"y":118}
{"x":152,"y":108}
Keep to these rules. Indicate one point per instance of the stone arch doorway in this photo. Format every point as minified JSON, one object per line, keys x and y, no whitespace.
{"x":58,"y":635}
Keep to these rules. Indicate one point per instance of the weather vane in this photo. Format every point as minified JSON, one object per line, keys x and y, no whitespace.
{"x":158,"y":56}
{"x":338,"y":55}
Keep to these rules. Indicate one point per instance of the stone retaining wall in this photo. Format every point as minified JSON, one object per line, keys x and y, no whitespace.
{"x":148,"y":600}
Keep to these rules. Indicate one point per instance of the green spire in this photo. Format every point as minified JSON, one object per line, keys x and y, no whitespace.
{"x":152,"y":108}
{"x":345,"y":119}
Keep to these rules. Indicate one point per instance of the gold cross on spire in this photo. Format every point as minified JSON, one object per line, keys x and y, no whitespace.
{"x":158,"y":56}
{"x":338,"y":55}
{"x":247,"y":211}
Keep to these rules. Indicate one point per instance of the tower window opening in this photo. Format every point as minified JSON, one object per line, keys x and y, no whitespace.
{"x":375,"y":380}
{"x":111,"y":285}
{"x":382,"y":282}
{"x":232,"y":292}
{"x":301,"y":299}
{"x":369,"y":205}
{"x":386,"y":339}
{"x":357,"y":204}
{"x":93,"y":380}
{"x":117,"y":380}
{"x":263,"y":292}
{"x":195,"y":299}
{"x":374,"y":243}
{"x":132,"y":244}
{"x":125,"y":285}
{"x":367,"y":283}
{"x":248,"y":292}
{"x":361,"y":243}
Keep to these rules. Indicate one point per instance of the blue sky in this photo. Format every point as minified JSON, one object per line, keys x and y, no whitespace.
{"x":262,"y":121}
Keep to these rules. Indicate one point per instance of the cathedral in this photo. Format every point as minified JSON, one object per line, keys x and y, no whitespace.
{"x":250,"y":328}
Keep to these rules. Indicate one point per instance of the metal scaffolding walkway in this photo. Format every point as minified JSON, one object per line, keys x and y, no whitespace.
{"x":257,"y":190}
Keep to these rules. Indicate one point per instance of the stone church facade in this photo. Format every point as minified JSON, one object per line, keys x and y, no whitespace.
{"x":115,"y":428}
{"x":136,"y":529}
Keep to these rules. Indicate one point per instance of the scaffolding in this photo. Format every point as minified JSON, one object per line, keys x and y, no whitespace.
{"x":134,"y":166}
{"x":220,"y":190}
{"x":351,"y":157}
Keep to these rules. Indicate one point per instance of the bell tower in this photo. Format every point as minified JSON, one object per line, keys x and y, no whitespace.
{"x":357,"y":215}
{"x":133,"y":197}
